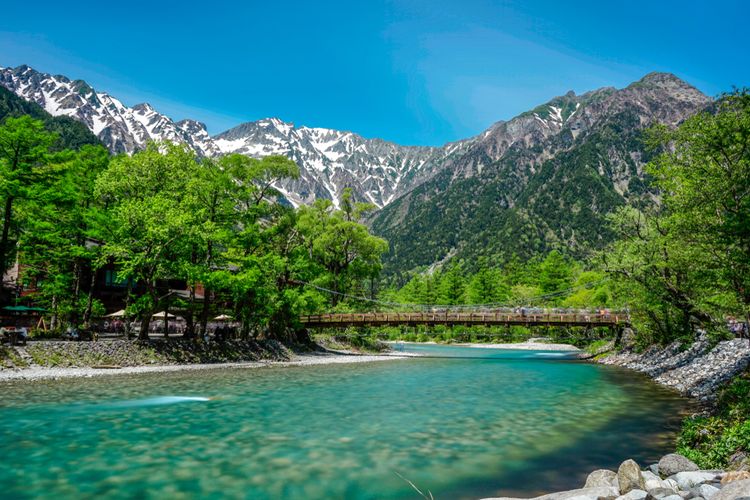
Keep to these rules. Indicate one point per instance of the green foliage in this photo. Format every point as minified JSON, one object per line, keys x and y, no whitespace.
{"x":27,"y":169}
{"x":711,"y":441}
{"x":487,"y":287}
{"x":71,"y":134}
{"x":164,"y":214}
{"x":685,"y":263}
{"x":60,"y":226}
{"x":340,"y":244}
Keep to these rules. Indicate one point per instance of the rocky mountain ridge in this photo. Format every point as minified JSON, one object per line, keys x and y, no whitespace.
{"x":330,"y":160}
{"x":541,"y":180}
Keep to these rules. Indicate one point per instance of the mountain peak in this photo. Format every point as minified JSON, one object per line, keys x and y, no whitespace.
{"x":144,"y":106}
{"x":661,"y":79}
{"x":331,"y":160}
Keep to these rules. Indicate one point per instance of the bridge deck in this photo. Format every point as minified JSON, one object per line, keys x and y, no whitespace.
{"x":488,"y":318}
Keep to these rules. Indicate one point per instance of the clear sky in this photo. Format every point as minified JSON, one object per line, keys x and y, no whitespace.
{"x":413,"y":72}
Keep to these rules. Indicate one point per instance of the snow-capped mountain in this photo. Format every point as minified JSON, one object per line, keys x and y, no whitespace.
{"x":329,"y":160}
{"x":377,"y":171}
{"x":120,"y":128}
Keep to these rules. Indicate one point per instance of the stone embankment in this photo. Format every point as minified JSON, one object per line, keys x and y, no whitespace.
{"x":696,"y":372}
{"x":673,"y":478}
{"x":127,"y":353}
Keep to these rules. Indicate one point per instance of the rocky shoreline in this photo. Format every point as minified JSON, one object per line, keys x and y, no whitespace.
{"x":696,"y":372}
{"x":673,"y":478}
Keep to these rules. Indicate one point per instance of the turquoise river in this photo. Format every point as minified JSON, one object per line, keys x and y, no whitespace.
{"x":461,"y":423}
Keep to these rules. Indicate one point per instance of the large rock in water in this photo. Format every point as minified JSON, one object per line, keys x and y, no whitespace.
{"x":629,"y":477}
{"x":601,"y":477}
{"x":734,"y":490}
{"x":673,"y":463}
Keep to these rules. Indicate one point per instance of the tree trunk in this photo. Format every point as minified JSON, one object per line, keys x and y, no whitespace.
{"x":4,"y":247}
{"x":335,"y":296}
{"x":53,"y":318}
{"x":204,"y":312}
{"x":145,"y":323}
{"x":189,"y":318}
{"x":89,"y":300}
{"x":166,"y":321}
{"x":126,"y":317}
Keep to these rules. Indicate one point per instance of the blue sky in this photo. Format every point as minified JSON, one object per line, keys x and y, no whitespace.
{"x":413,"y":72}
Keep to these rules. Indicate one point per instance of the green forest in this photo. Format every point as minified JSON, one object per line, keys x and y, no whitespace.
{"x":69,"y":208}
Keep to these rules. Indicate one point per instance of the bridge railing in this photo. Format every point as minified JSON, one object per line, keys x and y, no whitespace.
{"x":479,"y":317}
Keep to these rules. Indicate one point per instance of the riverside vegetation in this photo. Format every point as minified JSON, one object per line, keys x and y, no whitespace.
{"x":680,"y":263}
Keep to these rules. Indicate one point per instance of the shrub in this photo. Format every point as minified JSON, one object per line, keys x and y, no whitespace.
{"x":711,"y":441}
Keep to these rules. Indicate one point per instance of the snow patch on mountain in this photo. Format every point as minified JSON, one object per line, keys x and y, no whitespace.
{"x":330,"y":160}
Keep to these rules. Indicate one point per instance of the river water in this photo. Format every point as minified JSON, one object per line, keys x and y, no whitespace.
{"x":462,"y":423}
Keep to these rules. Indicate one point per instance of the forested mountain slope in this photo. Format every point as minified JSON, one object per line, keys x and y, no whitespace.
{"x":543,"y":180}
{"x":73,"y":134}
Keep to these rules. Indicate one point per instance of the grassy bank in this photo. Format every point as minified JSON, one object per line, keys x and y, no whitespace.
{"x":721,"y":440}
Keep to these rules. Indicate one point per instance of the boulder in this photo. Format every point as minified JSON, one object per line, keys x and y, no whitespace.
{"x":579,"y":494}
{"x":706,"y":491}
{"x":734,"y":490}
{"x":601,"y":477}
{"x":633,"y":495}
{"x":660,"y":493}
{"x":629,"y":477}
{"x":688,"y":480}
{"x":673,"y":463}
{"x":735,"y":475}
{"x":672,"y":484}
{"x":654,"y":468}
{"x":652,"y":480}
{"x":592,"y":493}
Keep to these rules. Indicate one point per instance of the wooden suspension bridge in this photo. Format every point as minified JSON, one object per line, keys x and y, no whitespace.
{"x":617,"y":319}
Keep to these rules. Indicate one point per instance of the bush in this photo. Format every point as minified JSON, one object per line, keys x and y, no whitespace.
{"x":711,"y":441}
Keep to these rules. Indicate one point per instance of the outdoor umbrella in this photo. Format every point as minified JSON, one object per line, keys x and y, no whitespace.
{"x":160,"y":315}
{"x":116,"y":314}
{"x":222,"y":317}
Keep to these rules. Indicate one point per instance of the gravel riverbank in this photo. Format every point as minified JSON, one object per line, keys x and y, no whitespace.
{"x":697,"y":371}
{"x":53,"y":359}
